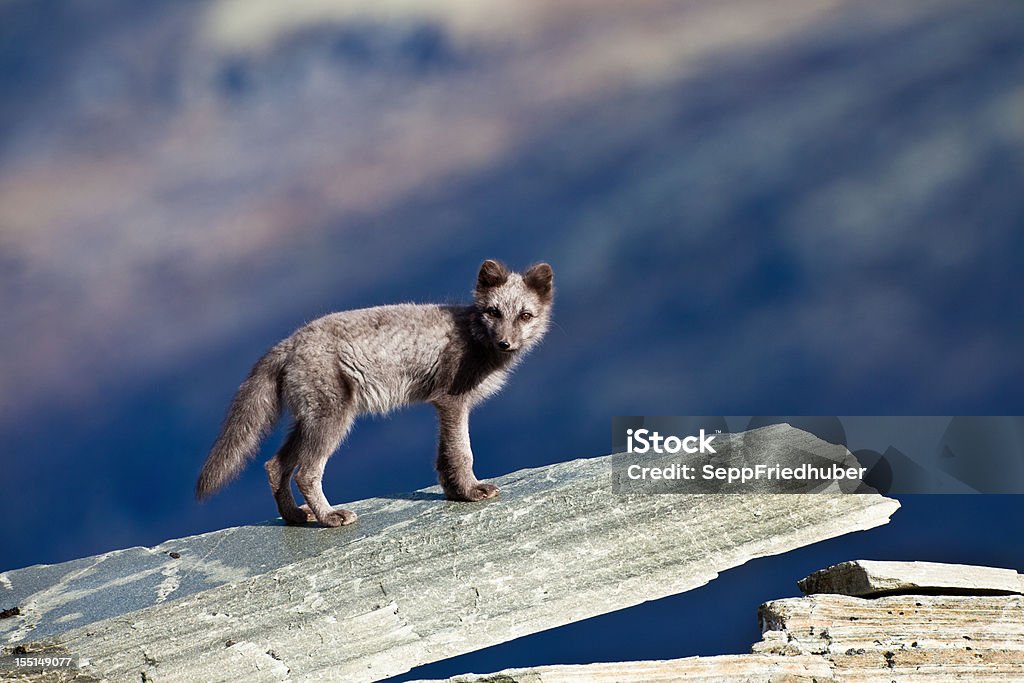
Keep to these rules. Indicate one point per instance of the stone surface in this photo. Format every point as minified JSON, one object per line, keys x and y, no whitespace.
{"x":844,"y":639}
{"x":902,"y":637}
{"x":731,"y":668}
{"x":873,"y":577}
{"x":417,"y":579}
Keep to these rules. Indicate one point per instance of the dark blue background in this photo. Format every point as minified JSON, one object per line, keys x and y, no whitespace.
{"x":826,"y":221}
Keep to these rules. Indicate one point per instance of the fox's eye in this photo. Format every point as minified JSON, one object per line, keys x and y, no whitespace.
{"x":525,"y":315}
{"x":492,"y":311}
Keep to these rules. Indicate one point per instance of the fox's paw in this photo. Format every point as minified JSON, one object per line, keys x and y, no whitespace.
{"x":338,"y":517}
{"x":296,"y":516}
{"x":474,"y":493}
{"x":482,"y":491}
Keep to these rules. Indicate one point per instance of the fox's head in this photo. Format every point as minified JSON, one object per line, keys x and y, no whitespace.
{"x":514,"y":309}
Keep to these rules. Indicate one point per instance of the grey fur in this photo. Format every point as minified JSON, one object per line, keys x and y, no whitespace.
{"x":374,"y":360}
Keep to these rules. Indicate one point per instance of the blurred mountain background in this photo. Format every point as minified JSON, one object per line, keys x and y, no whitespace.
{"x":796,"y":207}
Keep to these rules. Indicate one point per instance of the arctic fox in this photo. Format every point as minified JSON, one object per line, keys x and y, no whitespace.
{"x":373,"y":360}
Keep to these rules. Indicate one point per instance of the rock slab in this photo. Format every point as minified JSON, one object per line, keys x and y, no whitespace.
{"x":905,"y":638}
{"x":838,"y":638}
{"x":418,"y":579}
{"x":866,"y":578}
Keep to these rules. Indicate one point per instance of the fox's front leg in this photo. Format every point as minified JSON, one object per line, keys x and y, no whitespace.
{"x":455,"y":457}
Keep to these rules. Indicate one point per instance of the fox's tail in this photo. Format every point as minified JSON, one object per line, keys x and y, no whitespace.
{"x":252,"y":414}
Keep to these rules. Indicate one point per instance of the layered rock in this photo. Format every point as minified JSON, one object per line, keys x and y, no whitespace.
{"x":417,"y":579}
{"x":914,"y":631}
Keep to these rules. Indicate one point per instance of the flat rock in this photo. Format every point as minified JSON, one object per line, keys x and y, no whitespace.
{"x":872,"y":578}
{"x":720,"y":669}
{"x":416,"y":580}
{"x":902,"y":637}
{"x":828,"y":638}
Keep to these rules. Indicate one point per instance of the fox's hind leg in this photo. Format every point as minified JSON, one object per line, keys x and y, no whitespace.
{"x":279,"y":472}
{"x":316,"y":441}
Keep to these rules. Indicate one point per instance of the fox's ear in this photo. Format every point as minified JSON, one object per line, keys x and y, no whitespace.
{"x":538,"y":278}
{"x":492,"y":274}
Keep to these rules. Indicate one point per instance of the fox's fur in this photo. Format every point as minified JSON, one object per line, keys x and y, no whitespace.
{"x":373,"y":360}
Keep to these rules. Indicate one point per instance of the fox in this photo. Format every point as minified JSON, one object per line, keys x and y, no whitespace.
{"x":373,"y":361}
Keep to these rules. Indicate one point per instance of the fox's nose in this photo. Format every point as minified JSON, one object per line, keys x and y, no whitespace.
{"x":504,"y":345}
